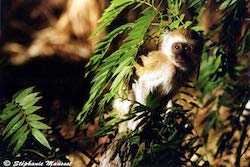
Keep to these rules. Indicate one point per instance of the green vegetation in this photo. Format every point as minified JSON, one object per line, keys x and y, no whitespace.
{"x":163,"y":137}
{"x":21,"y":120}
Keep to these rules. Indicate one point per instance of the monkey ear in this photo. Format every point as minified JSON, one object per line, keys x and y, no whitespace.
{"x":197,"y":35}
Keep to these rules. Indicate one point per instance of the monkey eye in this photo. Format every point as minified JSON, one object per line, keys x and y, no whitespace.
{"x":177,"y":46}
{"x":187,"y":48}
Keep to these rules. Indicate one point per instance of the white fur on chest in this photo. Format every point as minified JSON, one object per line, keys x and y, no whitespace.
{"x":149,"y":82}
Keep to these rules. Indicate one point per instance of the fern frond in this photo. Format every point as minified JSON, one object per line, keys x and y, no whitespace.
{"x":102,"y":47}
{"x":118,"y":66}
{"x":20,"y":120}
{"x":116,"y":7}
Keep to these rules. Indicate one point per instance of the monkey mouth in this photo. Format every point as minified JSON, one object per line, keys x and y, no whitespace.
{"x":182,"y":59}
{"x":180,"y":62}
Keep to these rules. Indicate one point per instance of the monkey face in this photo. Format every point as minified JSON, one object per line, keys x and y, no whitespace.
{"x":183,"y":47}
{"x":182,"y":53}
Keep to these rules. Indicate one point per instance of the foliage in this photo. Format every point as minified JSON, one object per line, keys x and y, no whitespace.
{"x":159,"y":138}
{"x":118,"y":66}
{"x":21,"y":120}
{"x":223,"y":71}
{"x":160,"y":135}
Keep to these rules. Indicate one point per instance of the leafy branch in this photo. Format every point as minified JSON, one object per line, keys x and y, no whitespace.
{"x":21,"y":120}
{"x":117,"y":66}
{"x":217,"y":70}
{"x":113,"y":70}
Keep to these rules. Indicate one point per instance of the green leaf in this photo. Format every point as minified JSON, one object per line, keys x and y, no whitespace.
{"x":40,"y":137}
{"x":103,"y":131}
{"x":15,"y":128}
{"x":141,"y":26}
{"x":134,"y":139}
{"x":21,"y":94}
{"x":31,"y":109}
{"x":17,"y":135}
{"x":176,"y":8}
{"x":103,"y":45}
{"x":175,"y":24}
{"x":187,"y":24}
{"x":34,"y":117}
{"x":12,"y":123}
{"x":140,"y":108}
{"x":173,"y":136}
{"x":28,"y":98}
{"x":100,"y":76}
{"x":170,"y":4}
{"x":38,"y":125}
{"x":121,"y":59}
{"x":20,"y":112}
{"x":226,"y":4}
{"x":196,"y":4}
{"x":182,"y":17}
{"x":20,"y":141}
{"x":113,"y":121}
{"x":16,"y":94}
{"x":197,"y":28}
{"x":127,"y":62}
{"x":117,"y":83}
{"x":8,"y":107}
{"x":110,"y":14}
{"x":152,"y":101}
{"x":7,"y":114}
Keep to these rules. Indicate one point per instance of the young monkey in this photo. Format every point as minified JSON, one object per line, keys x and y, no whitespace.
{"x":163,"y":72}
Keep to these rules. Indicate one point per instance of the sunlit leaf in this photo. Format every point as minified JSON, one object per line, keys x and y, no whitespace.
{"x":226,"y":4}
{"x":20,"y":95}
{"x":110,"y":14}
{"x":34,"y":117}
{"x":175,"y":24}
{"x":187,"y":24}
{"x":31,"y":109}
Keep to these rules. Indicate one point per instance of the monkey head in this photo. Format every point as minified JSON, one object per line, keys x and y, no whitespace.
{"x":184,"y":48}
